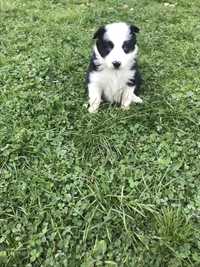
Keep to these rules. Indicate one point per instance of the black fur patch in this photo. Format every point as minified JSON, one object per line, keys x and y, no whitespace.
{"x":99,"y":33}
{"x":136,"y":80}
{"x":92,"y":67}
{"x":129,"y":45}
{"x":134,"y":29}
{"x":103,"y":46}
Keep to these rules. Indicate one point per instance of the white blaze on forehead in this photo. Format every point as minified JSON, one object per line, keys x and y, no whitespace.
{"x":117,"y":32}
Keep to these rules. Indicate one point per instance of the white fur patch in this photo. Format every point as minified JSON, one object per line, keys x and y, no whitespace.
{"x":111,"y":83}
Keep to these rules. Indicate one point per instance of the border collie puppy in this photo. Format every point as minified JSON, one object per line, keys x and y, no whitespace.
{"x":113,"y":73}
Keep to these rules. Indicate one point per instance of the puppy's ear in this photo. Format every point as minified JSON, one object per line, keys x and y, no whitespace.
{"x":134,"y":29}
{"x":99,"y":33}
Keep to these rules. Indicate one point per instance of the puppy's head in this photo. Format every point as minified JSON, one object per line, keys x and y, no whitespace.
{"x":116,"y":45}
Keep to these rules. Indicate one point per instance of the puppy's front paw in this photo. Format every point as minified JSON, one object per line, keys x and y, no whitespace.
{"x":85,"y":105}
{"x":93,"y":109}
{"x":137,"y":99}
{"x":125,"y":107}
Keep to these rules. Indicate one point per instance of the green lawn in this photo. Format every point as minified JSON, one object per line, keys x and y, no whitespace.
{"x":108,"y":189}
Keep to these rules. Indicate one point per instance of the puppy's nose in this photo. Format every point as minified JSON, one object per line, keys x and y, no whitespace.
{"x":116,"y":64}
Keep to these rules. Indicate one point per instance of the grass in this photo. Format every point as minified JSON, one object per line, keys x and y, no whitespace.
{"x":111,"y":189}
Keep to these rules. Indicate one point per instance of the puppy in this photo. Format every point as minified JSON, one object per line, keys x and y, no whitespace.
{"x":113,"y":73}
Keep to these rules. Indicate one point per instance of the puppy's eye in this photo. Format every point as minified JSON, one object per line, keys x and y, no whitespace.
{"x":109,"y":45}
{"x":128,"y":46}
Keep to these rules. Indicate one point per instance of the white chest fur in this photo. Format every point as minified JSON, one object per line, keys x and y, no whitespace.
{"x":112,"y":83}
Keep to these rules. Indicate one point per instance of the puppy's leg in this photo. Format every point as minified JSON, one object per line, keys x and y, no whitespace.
{"x":137,"y":99}
{"x":128,"y":97}
{"x":94,"y":98}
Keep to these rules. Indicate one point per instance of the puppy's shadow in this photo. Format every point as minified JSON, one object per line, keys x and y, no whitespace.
{"x":148,"y":79}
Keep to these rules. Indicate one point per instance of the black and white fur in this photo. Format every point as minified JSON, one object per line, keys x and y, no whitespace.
{"x":113,"y":72}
